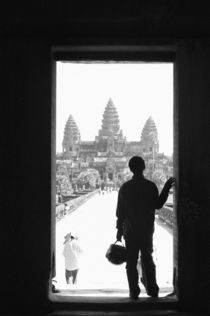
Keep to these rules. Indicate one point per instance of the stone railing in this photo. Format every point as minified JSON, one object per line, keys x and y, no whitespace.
{"x":166,"y":214}
{"x":73,"y":204}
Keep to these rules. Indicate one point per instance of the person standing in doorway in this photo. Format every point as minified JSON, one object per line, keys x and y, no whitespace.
{"x":71,"y":252}
{"x":137,"y":200}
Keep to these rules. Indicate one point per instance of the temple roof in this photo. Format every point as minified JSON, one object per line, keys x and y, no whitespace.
{"x":71,"y":131}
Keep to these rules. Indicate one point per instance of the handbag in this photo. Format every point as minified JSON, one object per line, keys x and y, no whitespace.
{"x":116,"y":253}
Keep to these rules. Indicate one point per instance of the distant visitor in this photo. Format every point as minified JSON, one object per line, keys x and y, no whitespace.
{"x":71,"y":253}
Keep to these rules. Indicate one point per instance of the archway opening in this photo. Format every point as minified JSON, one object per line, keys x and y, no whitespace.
{"x":106,"y":112}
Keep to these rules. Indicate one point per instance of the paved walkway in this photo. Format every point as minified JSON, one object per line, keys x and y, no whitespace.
{"x":94,"y":224}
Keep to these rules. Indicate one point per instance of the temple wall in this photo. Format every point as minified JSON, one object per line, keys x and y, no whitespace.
{"x":192,"y":170}
{"x":27,"y":173}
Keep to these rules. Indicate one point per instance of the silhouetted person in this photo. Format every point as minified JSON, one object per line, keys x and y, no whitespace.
{"x":137,"y":200}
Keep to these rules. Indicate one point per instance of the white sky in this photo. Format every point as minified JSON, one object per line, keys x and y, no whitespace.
{"x":138,"y":90}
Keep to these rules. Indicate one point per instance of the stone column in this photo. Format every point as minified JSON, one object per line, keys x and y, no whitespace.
{"x":192,"y":169}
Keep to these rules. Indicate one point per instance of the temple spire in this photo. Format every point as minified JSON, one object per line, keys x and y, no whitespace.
{"x":71,"y":133}
{"x":110,"y":121}
{"x":149,"y":136}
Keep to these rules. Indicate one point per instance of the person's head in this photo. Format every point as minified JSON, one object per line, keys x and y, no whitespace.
{"x":136,"y":165}
{"x":67,"y":237}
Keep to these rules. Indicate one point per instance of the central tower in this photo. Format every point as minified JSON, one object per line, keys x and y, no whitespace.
{"x":110,"y":122}
{"x":110,"y":137}
{"x":110,"y":127}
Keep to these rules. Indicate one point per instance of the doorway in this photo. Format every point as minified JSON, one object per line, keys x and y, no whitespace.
{"x":106,"y":112}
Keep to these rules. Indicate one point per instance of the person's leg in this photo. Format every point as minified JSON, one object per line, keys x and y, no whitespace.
{"x":149,"y":268}
{"x":74,"y":275}
{"x":131,"y":267}
{"x":67,"y":276}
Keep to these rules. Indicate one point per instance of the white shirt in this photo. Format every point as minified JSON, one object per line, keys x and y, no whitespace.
{"x":71,"y":252}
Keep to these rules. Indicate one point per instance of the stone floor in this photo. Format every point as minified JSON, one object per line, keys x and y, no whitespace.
{"x":95,"y":225}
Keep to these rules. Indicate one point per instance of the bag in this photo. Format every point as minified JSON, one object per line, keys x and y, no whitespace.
{"x":116,"y":253}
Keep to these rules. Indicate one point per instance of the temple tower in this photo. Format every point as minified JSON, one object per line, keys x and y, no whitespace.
{"x":110,"y":121}
{"x":149,"y":138}
{"x":71,"y":138}
{"x":110,"y":128}
{"x":110,"y":143}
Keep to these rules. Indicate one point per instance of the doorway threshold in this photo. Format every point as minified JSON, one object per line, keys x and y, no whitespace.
{"x":112,"y":292}
{"x":109,"y":297}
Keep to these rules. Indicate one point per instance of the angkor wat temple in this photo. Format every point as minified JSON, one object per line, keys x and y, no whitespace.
{"x":110,"y":151}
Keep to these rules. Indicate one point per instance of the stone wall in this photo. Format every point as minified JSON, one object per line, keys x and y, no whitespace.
{"x":166,"y":214}
{"x":73,"y":204}
{"x":28,"y":34}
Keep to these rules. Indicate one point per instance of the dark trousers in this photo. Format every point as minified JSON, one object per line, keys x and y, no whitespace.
{"x":134,"y":244}
{"x":71,"y":273}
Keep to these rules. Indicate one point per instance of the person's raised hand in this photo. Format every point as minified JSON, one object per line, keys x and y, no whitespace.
{"x":170,"y":183}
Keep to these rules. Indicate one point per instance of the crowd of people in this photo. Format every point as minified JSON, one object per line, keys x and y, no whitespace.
{"x":107,"y":189}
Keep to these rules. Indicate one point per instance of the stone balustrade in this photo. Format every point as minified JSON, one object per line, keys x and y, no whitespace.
{"x":73,"y":204}
{"x":166,"y":214}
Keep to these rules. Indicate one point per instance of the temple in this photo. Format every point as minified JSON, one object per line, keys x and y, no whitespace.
{"x":110,"y":151}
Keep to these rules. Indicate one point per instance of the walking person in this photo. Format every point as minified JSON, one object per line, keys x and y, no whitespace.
{"x":66,"y":208}
{"x":71,"y":252}
{"x":137,"y":200}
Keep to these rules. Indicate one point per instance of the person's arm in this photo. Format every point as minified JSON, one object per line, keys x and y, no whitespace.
{"x":164,"y":193}
{"x":78,"y":248}
{"x":120,"y":215}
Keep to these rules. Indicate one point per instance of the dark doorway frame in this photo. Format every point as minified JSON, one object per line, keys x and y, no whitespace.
{"x":114,"y":53}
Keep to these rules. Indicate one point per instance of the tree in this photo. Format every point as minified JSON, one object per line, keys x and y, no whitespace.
{"x":159,"y":178}
{"x":89,"y":178}
{"x":63,"y":184}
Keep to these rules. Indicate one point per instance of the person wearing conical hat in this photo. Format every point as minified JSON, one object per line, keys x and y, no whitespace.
{"x":71,"y":253}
